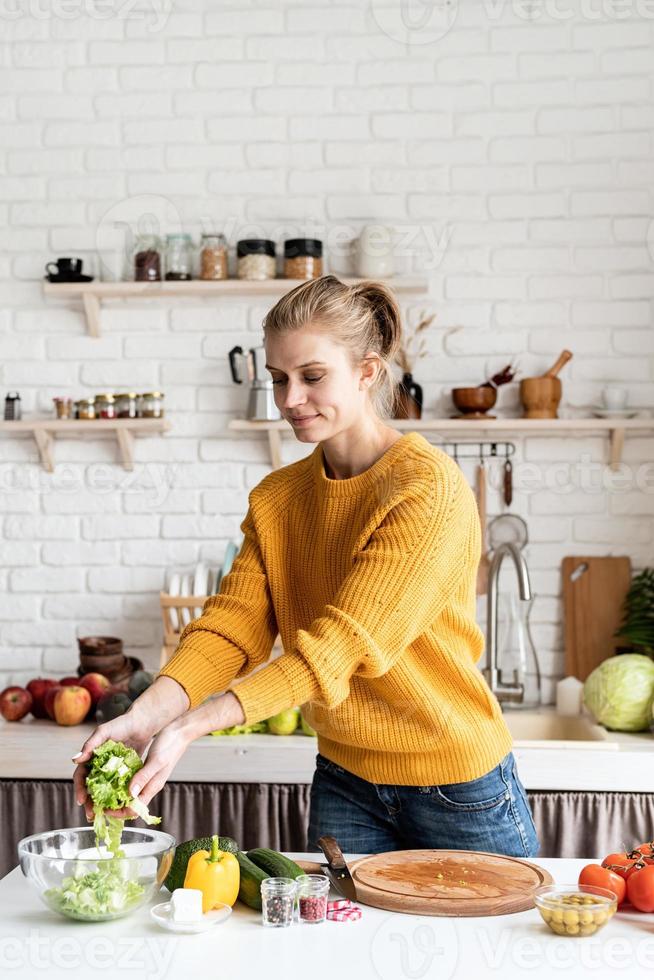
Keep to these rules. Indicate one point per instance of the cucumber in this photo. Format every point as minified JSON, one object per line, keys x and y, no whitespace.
{"x":175,"y":877}
{"x":274,"y":863}
{"x":251,"y":877}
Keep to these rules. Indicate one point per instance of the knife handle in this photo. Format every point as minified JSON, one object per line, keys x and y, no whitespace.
{"x":332,"y":851}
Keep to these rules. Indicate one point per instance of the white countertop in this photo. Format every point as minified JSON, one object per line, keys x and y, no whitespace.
{"x":34,"y":749}
{"x":36,"y":943}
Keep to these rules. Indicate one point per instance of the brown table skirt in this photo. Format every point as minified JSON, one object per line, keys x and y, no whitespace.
{"x":276,"y":815}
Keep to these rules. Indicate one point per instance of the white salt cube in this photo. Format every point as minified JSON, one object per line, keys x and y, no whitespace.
{"x":186,"y":905}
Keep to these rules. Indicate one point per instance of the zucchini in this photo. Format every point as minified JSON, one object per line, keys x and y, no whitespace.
{"x":252,"y":875}
{"x":175,"y":877}
{"x":275,"y":865}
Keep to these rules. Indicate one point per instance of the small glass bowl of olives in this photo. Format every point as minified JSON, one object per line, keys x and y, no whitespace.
{"x":575,"y":910}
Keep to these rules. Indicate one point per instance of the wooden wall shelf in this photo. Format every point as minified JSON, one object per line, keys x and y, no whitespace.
{"x":460,"y":429}
{"x":92,"y":293}
{"x":44,"y":431}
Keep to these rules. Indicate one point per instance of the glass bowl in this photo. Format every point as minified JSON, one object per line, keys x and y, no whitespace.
{"x":83,"y":882}
{"x":575,"y":910}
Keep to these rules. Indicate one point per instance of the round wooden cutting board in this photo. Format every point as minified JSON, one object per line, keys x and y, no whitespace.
{"x":447,"y":882}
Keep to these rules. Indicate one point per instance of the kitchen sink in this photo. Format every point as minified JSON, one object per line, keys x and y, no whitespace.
{"x":547,"y":726}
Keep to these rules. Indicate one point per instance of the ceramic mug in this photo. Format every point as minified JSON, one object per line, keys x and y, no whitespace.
{"x":64,"y":267}
{"x":373,"y":252}
{"x":614,"y":399}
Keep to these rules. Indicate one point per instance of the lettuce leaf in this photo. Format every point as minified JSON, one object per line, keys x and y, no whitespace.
{"x":110,"y":771}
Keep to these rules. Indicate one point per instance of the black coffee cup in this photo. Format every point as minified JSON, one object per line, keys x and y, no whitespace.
{"x":64,"y":267}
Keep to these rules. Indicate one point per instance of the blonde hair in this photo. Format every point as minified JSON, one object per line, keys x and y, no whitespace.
{"x":363,"y":318}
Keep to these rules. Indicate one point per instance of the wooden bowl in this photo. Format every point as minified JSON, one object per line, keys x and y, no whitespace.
{"x":474,"y":400}
{"x":100,"y":645}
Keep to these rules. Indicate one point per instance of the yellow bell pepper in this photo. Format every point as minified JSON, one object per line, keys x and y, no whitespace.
{"x":216,"y":873}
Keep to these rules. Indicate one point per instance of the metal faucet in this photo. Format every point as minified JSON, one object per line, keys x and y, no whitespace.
{"x":511,"y":692}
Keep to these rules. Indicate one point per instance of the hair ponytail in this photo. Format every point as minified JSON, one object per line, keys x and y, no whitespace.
{"x":364,"y":317}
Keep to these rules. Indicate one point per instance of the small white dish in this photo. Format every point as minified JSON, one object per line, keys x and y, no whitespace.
{"x":161,"y":915}
{"x":173,"y":590}
{"x":614,"y":413}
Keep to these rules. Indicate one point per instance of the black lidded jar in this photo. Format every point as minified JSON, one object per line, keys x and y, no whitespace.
{"x":255,"y":258}
{"x":302,"y":258}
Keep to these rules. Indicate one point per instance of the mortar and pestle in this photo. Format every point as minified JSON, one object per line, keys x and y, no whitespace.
{"x":540,"y":397}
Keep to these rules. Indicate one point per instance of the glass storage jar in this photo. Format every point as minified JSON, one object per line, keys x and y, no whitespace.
{"x":302,"y":258}
{"x":256,"y":258}
{"x":105,"y":407}
{"x":151,"y":405}
{"x":213,"y":257}
{"x":147,"y":258}
{"x":178,"y":258}
{"x":277,"y":901}
{"x":86,"y":408}
{"x":63,"y":408}
{"x":126,"y":405}
{"x":312,"y":894}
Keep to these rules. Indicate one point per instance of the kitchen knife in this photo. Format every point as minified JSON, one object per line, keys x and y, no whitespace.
{"x":336,"y":869}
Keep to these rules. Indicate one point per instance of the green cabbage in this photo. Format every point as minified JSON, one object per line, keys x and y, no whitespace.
{"x":620,"y":691}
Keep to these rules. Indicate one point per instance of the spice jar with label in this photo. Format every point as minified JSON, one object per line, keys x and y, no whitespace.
{"x":256,"y":258}
{"x":126,"y":405}
{"x":213,"y":257}
{"x":151,"y":405}
{"x":302,"y":258}
{"x":85,"y":408}
{"x":178,"y":258}
{"x":105,"y":407}
{"x":147,"y":258}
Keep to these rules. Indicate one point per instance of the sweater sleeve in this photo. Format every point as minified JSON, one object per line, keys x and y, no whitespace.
{"x":398,"y":585}
{"x":236,"y":630}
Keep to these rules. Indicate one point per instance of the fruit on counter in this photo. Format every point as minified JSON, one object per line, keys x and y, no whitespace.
{"x":96,"y":684}
{"x":640,"y":889}
{"x":111,"y":768}
{"x":306,"y":727}
{"x":184,"y":851}
{"x":273,"y":863}
{"x":600,"y":877}
{"x":252,"y":875}
{"x":37,"y":689}
{"x":623,"y":864}
{"x":69,"y":681}
{"x":285,"y":722}
{"x":71,"y":704}
{"x":139,"y":682}
{"x":216,"y":874}
{"x":15,"y":703}
{"x":112,"y":705}
{"x":48,"y":700}
{"x":620,"y":691}
{"x":258,"y":728}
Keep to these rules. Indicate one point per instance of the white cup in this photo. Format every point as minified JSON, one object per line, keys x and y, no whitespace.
{"x":614,"y":399}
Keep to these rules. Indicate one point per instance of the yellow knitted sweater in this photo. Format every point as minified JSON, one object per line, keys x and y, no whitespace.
{"x":370,"y":582}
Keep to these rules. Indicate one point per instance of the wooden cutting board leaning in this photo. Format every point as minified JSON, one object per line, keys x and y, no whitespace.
{"x":594,"y":591}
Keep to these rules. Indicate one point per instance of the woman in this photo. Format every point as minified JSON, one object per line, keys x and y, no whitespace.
{"x":363,"y":556}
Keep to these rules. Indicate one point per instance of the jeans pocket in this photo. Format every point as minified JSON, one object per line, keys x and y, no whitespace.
{"x":484,"y":793}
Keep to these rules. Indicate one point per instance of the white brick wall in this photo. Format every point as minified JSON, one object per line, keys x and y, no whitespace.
{"x":512,"y":149}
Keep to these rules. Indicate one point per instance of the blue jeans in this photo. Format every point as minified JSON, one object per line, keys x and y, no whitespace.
{"x":486,"y":814}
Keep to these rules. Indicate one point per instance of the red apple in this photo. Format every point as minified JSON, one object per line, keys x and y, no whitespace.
{"x":48,"y":701}
{"x":69,"y":681}
{"x":71,"y":705}
{"x":37,"y":689}
{"x":15,"y":702}
{"x":96,"y":684}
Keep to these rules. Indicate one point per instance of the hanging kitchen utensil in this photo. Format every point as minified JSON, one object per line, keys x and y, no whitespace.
{"x":484,"y":564}
{"x":507,"y":529}
{"x":507,"y":483}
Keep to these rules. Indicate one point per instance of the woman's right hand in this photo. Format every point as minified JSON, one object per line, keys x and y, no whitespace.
{"x":131,"y":729}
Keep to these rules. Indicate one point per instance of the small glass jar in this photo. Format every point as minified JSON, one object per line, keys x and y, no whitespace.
{"x":302,"y":258}
{"x":147,"y":258}
{"x":178,"y":258}
{"x":277,"y":901}
{"x":63,"y":408}
{"x":105,"y":407}
{"x":86,"y":408}
{"x":312,"y":894}
{"x":256,"y":258}
{"x":213,"y":257}
{"x":150,"y":405}
{"x":126,"y":405}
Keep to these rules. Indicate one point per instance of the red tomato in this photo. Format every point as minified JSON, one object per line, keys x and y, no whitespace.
{"x":621,"y":863}
{"x":595,"y":874}
{"x":646,"y":851}
{"x":640,"y":889}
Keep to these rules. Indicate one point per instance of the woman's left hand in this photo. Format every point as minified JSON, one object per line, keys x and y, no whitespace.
{"x":171,"y":743}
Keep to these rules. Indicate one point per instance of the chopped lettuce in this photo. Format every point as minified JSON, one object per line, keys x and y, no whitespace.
{"x":97,"y":894}
{"x":110,"y":772}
